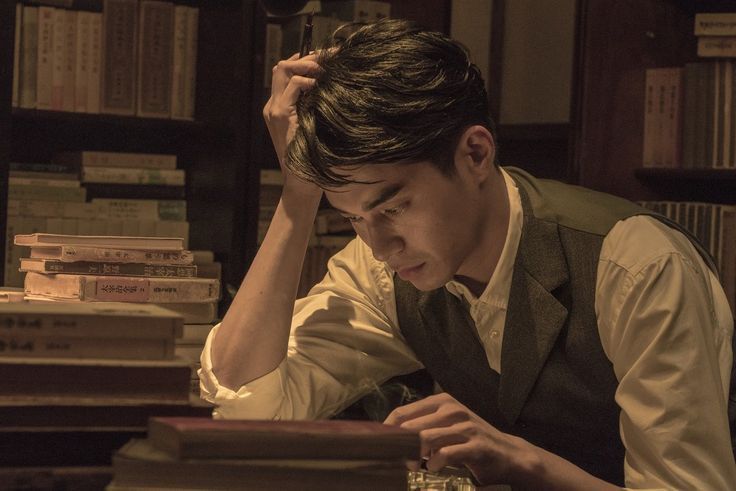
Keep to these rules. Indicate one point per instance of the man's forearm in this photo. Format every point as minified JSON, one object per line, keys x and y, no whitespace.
{"x":253,"y":337}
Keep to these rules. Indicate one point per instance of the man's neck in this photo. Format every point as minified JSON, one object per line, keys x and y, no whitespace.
{"x":482,"y":263}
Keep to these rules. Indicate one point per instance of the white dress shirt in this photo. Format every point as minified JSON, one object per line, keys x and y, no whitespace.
{"x":664,"y":324}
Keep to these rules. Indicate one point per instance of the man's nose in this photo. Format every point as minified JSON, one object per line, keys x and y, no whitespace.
{"x":383,"y":241}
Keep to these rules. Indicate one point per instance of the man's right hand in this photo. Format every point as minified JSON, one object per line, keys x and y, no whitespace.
{"x":290,"y":79}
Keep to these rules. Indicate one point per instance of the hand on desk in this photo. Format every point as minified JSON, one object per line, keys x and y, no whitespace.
{"x":452,"y":435}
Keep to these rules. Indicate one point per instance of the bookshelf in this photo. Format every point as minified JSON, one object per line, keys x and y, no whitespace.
{"x":216,"y":149}
{"x":609,"y":123}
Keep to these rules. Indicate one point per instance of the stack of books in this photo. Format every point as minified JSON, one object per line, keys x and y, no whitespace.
{"x":716,"y":33}
{"x":88,"y":374}
{"x":201,"y":453}
{"x":42,"y":197}
{"x":143,"y":270}
{"x":130,"y":175}
{"x":89,"y":350}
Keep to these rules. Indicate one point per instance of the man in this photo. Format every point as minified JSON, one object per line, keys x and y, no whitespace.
{"x":580,"y":343}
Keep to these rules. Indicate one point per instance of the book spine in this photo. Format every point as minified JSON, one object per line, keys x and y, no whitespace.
{"x":650,"y":118}
{"x":690,"y":117}
{"x":121,"y":159}
{"x":64,"y":347}
{"x":129,"y":380}
{"x":674,"y":119}
{"x":57,"y":58}
{"x":55,"y":168}
{"x":717,"y":46}
{"x":112,"y":269}
{"x":135,"y":191}
{"x":715,"y":24}
{"x":18,"y":225}
{"x":57,"y":176}
{"x":45,"y":57}
{"x":155,"y":47}
{"x":48,"y":193}
{"x":15,"y":100}
{"x":112,"y":255}
{"x":190,"y":88}
{"x":82,"y":61}
{"x":29,"y":57}
{"x":69,"y":60}
{"x":120,"y":25}
{"x":144,"y":209}
{"x":78,"y":325}
{"x":704,"y":112}
{"x":122,"y":175}
{"x":94,"y":81}
{"x":119,"y":289}
{"x":711,"y":105}
{"x":32,"y":181}
{"x":178,"y":68}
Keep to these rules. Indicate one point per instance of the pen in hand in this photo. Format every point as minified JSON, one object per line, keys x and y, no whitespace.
{"x":306,"y":46}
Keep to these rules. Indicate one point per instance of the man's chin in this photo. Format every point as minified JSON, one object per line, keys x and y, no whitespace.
{"x":425,"y":284}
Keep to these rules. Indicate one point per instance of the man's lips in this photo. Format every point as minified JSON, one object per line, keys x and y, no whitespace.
{"x":408,"y":272}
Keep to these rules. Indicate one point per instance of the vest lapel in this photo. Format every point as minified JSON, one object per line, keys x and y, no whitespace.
{"x":534,"y":316}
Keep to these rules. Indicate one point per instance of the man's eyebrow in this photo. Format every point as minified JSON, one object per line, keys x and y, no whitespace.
{"x":386,"y":194}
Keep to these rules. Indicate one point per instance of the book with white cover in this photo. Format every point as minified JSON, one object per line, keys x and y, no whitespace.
{"x":108,"y":268}
{"x":191,"y":313}
{"x":119,"y":241}
{"x":73,"y":253}
{"x":90,"y":319}
{"x":94,"y":288}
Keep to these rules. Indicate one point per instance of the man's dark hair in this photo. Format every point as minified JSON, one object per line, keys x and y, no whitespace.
{"x":391,"y":92}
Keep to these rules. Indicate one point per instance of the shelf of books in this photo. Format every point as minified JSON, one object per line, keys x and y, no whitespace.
{"x":125,"y":190}
{"x":689,"y":144}
{"x":140,"y":105}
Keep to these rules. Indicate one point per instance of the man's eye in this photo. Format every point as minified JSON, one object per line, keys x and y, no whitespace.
{"x":395,"y":211}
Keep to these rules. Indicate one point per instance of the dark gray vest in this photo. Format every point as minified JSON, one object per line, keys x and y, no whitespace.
{"x":556,"y":387}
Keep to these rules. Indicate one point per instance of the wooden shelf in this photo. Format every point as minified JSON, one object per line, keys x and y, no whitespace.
{"x":705,"y":185}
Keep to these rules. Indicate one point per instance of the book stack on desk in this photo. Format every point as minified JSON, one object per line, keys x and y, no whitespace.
{"x":88,"y":374}
{"x":143,"y":270}
{"x":201,"y":453}
{"x":110,"y":350}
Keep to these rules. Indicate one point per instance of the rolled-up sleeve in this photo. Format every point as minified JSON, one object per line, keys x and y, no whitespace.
{"x":344,"y":342}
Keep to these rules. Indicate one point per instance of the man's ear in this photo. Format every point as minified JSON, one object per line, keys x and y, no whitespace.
{"x":476,"y":150}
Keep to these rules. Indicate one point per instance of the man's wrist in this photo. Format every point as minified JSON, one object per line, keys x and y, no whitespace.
{"x":528,"y":466}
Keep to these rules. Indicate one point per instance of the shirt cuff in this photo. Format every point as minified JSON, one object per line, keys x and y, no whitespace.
{"x":258,"y":399}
